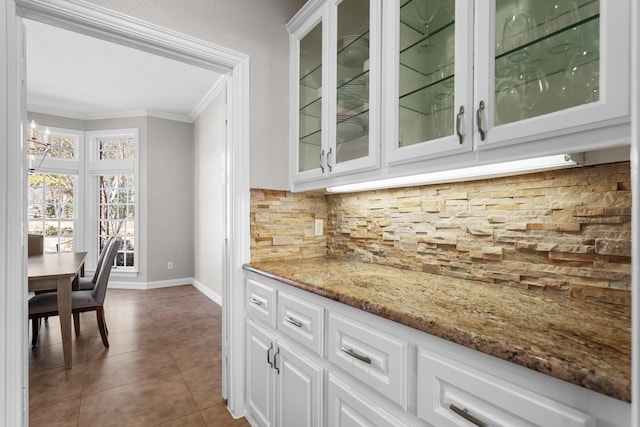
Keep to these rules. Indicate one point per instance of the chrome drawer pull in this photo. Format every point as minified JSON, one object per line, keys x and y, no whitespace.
{"x":464,"y":413}
{"x":294,"y":322}
{"x":255,"y":301}
{"x":351,"y":352}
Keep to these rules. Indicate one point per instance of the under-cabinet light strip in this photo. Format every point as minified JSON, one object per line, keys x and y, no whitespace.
{"x":468,"y":174}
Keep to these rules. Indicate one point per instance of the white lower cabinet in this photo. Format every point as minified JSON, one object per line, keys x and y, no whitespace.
{"x":283,"y":388}
{"x":349,"y":408}
{"x":379,"y":373}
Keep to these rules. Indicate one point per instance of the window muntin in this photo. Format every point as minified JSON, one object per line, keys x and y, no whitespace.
{"x":116,"y":214}
{"x":61,"y":144}
{"x":116,"y":148}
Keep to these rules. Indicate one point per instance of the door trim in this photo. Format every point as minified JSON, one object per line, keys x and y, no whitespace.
{"x":102,"y":23}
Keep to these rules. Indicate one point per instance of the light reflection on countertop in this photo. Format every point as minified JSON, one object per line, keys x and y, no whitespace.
{"x":582,"y":342}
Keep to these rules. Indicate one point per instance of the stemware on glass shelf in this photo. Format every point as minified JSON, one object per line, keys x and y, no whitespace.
{"x":581,"y":80}
{"x":518,"y":29}
{"x":543,"y":68}
{"x":425,"y":11}
{"x":561,"y":18}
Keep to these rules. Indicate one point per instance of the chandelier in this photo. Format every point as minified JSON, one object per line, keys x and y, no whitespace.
{"x":38,"y":144}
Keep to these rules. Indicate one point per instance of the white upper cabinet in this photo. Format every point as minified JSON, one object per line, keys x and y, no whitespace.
{"x":335,"y":74}
{"x":546,"y":68}
{"x":470,"y":75}
{"x":384,"y":89}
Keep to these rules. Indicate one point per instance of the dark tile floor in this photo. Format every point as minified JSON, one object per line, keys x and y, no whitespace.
{"x":163,"y":366}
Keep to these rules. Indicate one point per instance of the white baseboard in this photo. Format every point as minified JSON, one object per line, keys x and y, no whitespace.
{"x":213,"y":296}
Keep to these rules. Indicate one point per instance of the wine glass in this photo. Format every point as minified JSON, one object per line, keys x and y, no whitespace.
{"x":560,"y":18}
{"x":517,"y":30}
{"x":425,"y":11}
{"x":581,"y":80}
{"x":509,"y":101}
{"x":534,"y":90}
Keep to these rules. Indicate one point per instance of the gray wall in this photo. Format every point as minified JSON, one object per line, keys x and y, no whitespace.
{"x":254,"y":27}
{"x":170,"y":199}
{"x":209,"y":166}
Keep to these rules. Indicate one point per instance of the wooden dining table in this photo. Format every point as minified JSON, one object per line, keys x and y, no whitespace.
{"x":56,"y":271}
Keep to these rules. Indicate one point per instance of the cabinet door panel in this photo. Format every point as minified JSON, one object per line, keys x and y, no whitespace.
{"x":302,"y":321}
{"x":549,"y":68}
{"x":372,"y":356}
{"x":348,"y":408}
{"x":430,"y":78}
{"x":355,"y":137}
{"x":261,"y":302}
{"x":308,"y":106}
{"x":299,"y":390}
{"x":449,"y":393}
{"x":260,"y":379}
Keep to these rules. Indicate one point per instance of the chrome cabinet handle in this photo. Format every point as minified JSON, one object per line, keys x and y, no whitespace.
{"x":479,"y":116}
{"x":329,"y":159}
{"x":269,"y":355}
{"x":464,"y":413}
{"x":255,"y":301}
{"x":275,"y":361}
{"x":459,"y":124}
{"x":321,"y":161}
{"x":351,"y":352}
{"x":294,"y":322}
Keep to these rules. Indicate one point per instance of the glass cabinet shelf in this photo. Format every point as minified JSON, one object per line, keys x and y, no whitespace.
{"x":312,"y":138}
{"x":427,"y":98}
{"x":353,"y":93}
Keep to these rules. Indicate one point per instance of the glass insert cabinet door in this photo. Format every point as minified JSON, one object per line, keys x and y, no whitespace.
{"x":547,"y":57}
{"x":426,"y":70}
{"x":310,"y":100}
{"x":352,"y":117}
{"x":547,"y":68}
{"x":432,"y":78}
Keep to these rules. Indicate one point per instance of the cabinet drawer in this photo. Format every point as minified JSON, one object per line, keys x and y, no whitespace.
{"x":347,"y":407}
{"x":452,"y":394}
{"x":261,"y":302}
{"x":374,"y":357}
{"x":302,"y":321}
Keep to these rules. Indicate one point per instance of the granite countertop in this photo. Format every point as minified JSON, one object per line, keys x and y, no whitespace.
{"x":582,"y":342}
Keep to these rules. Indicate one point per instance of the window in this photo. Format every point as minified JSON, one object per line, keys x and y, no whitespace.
{"x":52,"y":210}
{"x":81,"y":193}
{"x":53,"y":188}
{"x":113,"y":192}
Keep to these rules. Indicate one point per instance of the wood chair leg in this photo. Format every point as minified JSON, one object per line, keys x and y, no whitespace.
{"x":102,"y":326}
{"x":76,"y":323}
{"x":35,"y":327}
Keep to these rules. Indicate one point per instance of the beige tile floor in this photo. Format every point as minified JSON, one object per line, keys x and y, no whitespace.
{"x":162,"y":367}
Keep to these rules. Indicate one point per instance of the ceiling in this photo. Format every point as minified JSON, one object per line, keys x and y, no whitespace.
{"x":77,"y":76}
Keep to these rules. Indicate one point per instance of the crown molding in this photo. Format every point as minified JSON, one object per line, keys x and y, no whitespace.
{"x":109,"y":115}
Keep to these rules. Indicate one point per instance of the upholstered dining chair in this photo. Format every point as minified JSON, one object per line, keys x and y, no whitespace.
{"x":87,"y":283}
{"x":43,"y":305}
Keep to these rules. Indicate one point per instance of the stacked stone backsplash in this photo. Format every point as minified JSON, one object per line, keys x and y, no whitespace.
{"x":566,"y":231}
{"x":282,"y":225}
